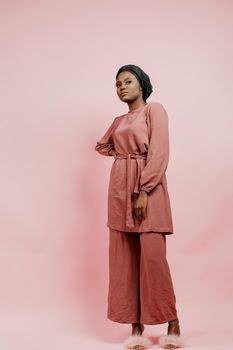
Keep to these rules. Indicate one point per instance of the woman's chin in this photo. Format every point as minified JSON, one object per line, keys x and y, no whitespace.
{"x":125,"y":98}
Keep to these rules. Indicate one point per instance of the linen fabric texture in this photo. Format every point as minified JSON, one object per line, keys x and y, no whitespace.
{"x":140,"y":283}
{"x":140,"y":139}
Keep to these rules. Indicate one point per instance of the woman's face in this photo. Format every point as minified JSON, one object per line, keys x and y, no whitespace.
{"x":128,"y":87}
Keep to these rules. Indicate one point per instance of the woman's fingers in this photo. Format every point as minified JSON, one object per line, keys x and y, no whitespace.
{"x":136,"y":210}
{"x":140,"y":204}
{"x":140,"y":213}
{"x":143,"y":213}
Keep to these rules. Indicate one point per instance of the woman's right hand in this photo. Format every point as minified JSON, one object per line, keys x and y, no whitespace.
{"x":140,"y":205}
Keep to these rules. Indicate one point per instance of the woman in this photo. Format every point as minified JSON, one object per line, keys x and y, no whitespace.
{"x":139,"y":214}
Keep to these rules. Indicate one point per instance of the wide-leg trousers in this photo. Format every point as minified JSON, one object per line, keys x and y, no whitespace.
{"x":140,"y":283}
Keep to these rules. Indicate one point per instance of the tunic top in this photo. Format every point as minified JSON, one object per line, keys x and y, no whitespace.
{"x":140,"y":139}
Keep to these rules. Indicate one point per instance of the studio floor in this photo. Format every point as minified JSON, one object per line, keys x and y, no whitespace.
{"x":203,"y":328}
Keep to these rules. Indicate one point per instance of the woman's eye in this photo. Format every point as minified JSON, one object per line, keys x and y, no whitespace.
{"x":118,"y":85}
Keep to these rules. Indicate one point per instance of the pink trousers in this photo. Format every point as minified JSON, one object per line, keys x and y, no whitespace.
{"x":140,"y":283}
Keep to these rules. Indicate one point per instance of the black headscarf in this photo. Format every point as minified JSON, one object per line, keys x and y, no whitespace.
{"x":142,"y":77}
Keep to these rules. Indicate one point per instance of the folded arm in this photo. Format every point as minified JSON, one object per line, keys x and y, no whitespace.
{"x":105,"y":144}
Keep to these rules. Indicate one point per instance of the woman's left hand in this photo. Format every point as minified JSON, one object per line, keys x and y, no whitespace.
{"x":140,"y":206}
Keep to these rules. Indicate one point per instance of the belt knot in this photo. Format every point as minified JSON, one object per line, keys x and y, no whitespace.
{"x":138,"y":157}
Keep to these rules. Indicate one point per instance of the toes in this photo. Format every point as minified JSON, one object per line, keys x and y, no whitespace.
{"x":137,"y":342}
{"x":137,"y":347}
{"x":171,"y":341}
{"x":170,"y":346}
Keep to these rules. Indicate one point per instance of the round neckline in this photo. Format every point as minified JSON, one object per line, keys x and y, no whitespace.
{"x":138,"y":109}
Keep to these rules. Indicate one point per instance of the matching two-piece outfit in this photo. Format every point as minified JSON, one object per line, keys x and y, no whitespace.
{"x":140,"y":283}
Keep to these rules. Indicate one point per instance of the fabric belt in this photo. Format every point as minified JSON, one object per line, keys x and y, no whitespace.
{"x":139,"y":160}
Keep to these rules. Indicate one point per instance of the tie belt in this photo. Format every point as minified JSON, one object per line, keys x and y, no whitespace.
{"x":139,"y":158}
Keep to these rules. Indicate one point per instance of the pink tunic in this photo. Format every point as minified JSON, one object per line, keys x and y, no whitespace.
{"x":141,"y":141}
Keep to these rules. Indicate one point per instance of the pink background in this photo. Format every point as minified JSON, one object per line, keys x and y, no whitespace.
{"x":58,"y":65}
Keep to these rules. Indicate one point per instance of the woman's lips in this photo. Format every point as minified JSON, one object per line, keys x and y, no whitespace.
{"x":124,"y":93}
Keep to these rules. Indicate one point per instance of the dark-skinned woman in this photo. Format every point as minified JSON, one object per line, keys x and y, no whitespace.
{"x":139,"y":213}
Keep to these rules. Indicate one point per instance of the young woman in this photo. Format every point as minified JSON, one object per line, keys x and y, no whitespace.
{"x":139,"y":214}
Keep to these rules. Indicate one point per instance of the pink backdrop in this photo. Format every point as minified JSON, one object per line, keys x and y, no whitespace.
{"x":58,"y":65}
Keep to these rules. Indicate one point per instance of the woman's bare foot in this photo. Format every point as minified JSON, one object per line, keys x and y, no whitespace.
{"x":137,"y":329}
{"x":136,"y":341}
{"x":173,"y":329}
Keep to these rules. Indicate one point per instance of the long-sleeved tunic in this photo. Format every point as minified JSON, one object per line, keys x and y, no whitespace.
{"x":140,"y":139}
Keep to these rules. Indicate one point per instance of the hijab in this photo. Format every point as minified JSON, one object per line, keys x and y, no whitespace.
{"x":141,"y":76}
